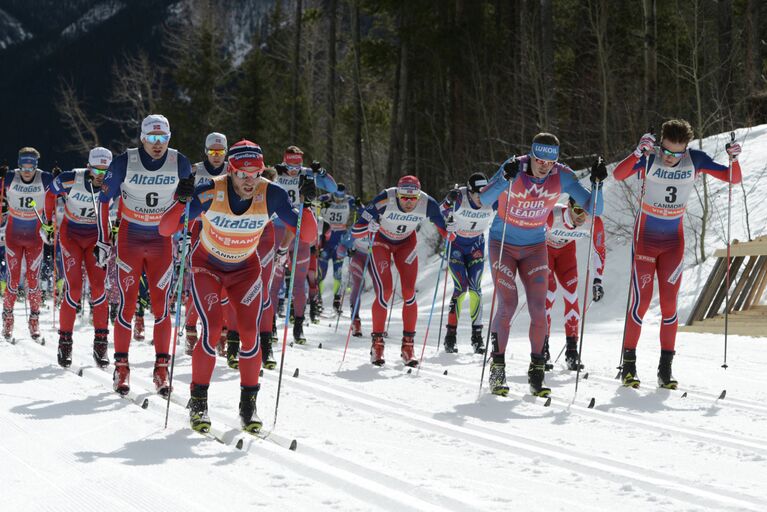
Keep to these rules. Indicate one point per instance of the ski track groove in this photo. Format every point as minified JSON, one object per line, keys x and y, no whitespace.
{"x":608,"y":469}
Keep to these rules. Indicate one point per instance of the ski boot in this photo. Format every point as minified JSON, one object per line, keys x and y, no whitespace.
{"x":629,"y":369}
{"x":64,"y":355}
{"x":548,"y":366}
{"x":572,"y":359}
{"x":377,"y":349}
{"x":337,"y":304}
{"x":298,"y":331}
{"x":497,"y":378}
{"x":100,"y":343}
{"x":357,"y":328}
{"x":450,"y":339}
{"x":7,"y":325}
{"x":267,"y":355}
{"x":314,"y":310}
{"x":249,"y":420}
{"x":191,"y":339}
{"x":198,"y":408}
{"x":138,"y":327}
{"x":407,"y":352}
{"x":477,"y":343}
{"x":160,"y":374}
{"x":34,"y":325}
{"x":281,"y":308}
{"x":221,"y":347}
{"x":535,"y":374}
{"x":121,"y":375}
{"x":233,"y":349}
{"x":665,"y":379}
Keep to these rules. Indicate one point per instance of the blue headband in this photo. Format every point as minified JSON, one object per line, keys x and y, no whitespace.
{"x":545,"y":152}
{"x":27,"y":159}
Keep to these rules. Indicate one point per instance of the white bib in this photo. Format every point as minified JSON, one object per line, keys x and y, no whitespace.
{"x":147,"y":194}
{"x":20,"y":196}
{"x":395,"y":223}
{"x":562,"y":232}
{"x":667,"y":189}
{"x":79,"y":201}
{"x":470,"y":222}
{"x":337,"y":215}
{"x":290,"y":185}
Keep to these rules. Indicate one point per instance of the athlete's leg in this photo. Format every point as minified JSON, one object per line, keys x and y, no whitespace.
{"x":380,"y":272}
{"x":159,"y":272}
{"x":406,"y":260}
{"x":504,"y":274}
{"x":669,"y":280}
{"x":206,"y":293}
{"x":642,"y":277}
{"x":73,"y":277}
{"x":567,"y":275}
{"x":534,"y":274}
{"x":551,"y":293}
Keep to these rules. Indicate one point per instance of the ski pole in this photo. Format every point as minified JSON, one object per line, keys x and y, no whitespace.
{"x":444,"y":287}
{"x":729,"y":244}
{"x":287,"y":316}
{"x":594,"y":194}
{"x":355,"y":310}
{"x":495,"y":288}
{"x":635,"y":241}
{"x":433,"y":302}
{"x":179,"y":287}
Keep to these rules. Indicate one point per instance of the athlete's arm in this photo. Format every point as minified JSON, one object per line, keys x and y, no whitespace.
{"x":60,"y":186}
{"x":172,"y":219}
{"x":434,"y":212}
{"x":372,"y":211}
{"x":630,"y":166}
{"x":598,"y":246}
{"x":583,"y":197}
{"x":278,"y":202}
{"x":110,"y":190}
{"x":703,"y":163}
{"x":324,"y":181}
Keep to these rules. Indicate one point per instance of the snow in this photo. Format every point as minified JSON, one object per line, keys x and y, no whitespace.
{"x":385,"y":439}
{"x":93,"y":17}
{"x":12,"y":31}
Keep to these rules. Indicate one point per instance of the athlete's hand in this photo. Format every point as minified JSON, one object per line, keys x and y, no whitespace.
{"x":452,"y":196}
{"x":308,"y":189}
{"x":511,"y":168}
{"x":101,"y":252}
{"x":598,"y":171}
{"x":733,"y":150}
{"x":113,"y":233}
{"x":598,"y":290}
{"x":317,"y":168}
{"x":56,"y":170}
{"x":646,"y":145}
{"x":185,"y":189}
{"x":373,"y":226}
{"x":46,"y":233}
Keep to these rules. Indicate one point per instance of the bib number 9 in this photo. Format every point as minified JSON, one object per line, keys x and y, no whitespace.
{"x":400,"y":230}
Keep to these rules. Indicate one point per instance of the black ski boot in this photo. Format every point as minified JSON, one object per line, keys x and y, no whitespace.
{"x":497,"y":378}
{"x":629,"y":368}
{"x":665,"y":379}
{"x":232,"y":349}
{"x":267,"y":355}
{"x":547,"y":366}
{"x":100,"y":344}
{"x":572,"y":359}
{"x":337,"y":304}
{"x":298,"y":331}
{"x":281,"y":308}
{"x":198,"y":408}
{"x":535,"y":374}
{"x":292,"y":314}
{"x":314,"y":310}
{"x":477,"y":343}
{"x":450,"y":339}
{"x":64,"y":355}
{"x":249,"y":420}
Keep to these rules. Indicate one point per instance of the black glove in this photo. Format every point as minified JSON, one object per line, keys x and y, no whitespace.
{"x":317,"y":168}
{"x":598,"y":290}
{"x":351,"y":251}
{"x":598,"y":171}
{"x":3,"y":171}
{"x":357,"y":202}
{"x":308,"y":189}
{"x":452,"y":196}
{"x":281,"y":168}
{"x":56,"y":170}
{"x":185,"y":189}
{"x":511,"y":168}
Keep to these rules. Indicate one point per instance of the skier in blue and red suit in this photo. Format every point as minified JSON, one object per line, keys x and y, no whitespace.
{"x":518,"y":246}
{"x":659,"y":233}
{"x":336,"y":212}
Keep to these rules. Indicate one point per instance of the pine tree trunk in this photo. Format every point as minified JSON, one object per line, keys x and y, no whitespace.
{"x":296,"y":72}
{"x":330,"y":11}
{"x":358,"y":170}
{"x":650,"y":106}
{"x":549,"y":85}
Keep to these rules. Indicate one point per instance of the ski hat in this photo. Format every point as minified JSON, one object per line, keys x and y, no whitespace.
{"x":245,"y":154}
{"x":154,"y":123}
{"x":28,"y":156}
{"x":476,"y":182}
{"x":340,"y":191}
{"x":548,"y":152}
{"x":99,"y":156}
{"x":215,"y":138}
{"x":408,"y":186}
{"x":293,"y":157}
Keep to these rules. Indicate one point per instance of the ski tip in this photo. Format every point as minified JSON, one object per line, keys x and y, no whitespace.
{"x":444,"y":373}
{"x":547,"y":402}
{"x":295,"y":373}
{"x":239,"y":444}
{"x":585,"y":375}
{"x":684,"y":395}
{"x":293,"y":445}
{"x":722,"y":394}
{"x":290,"y":344}
{"x":80,"y":372}
{"x":319,"y":346}
{"x":145,"y":403}
{"x":261,"y":373}
{"x":42,"y":341}
{"x":592,"y":402}
{"x":409,"y":371}
{"x":725,"y":366}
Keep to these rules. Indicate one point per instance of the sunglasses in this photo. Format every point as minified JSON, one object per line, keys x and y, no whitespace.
{"x":96,"y":170}
{"x":154,"y":139}
{"x":675,"y":154}
{"x":577,"y":210}
{"x":246,"y":174}
{"x":544,"y":162}
{"x":407,"y":197}
{"x":216,"y":152}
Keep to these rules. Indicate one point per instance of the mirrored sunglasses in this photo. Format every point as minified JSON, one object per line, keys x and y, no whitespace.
{"x":155,"y":139}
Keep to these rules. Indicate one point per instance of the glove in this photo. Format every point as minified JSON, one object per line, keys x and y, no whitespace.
{"x":598,"y":290}
{"x":598,"y":171}
{"x":46,"y":233}
{"x":308,"y":189}
{"x":511,"y":168}
{"x":101,"y":252}
{"x":453,"y":196}
{"x":646,"y":145}
{"x":451,"y":225}
{"x":114,"y":232}
{"x":281,"y":168}
{"x":317,"y":168}
{"x":351,"y":251}
{"x":56,"y":170}
{"x":185,"y":189}
{"x":3,"y":171}
{"x":733,"y":150}
{"x":373,"y":226}
{"x":358,"y":202}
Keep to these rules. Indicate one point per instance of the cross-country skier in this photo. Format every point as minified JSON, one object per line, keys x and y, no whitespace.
{"x":658,"y":248}
{"x":357,"y":249}
{"x":146,"y":179}
{"x":567,"y":224}
{"x":336,"y":213}
{"x":78,"y":234}
{"x":234,"y":210}
{"x":392,"y":218}
{"x":467,"y":257}
{"x":25,"y":189}
{"x":527,"y":188}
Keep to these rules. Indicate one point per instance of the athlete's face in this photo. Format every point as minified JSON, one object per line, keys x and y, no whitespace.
{"x":474,"y":196}
{"x":216,"y":154}
{"x":244,"y":183}
{"x":156,"y":146}
{"x":97,"y":175}
{"x":666,"y":147}
{"x":577,"y":215}
{"x":407,"y":203}
{"x":27,"y":172}
{"x":541,"y":168}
